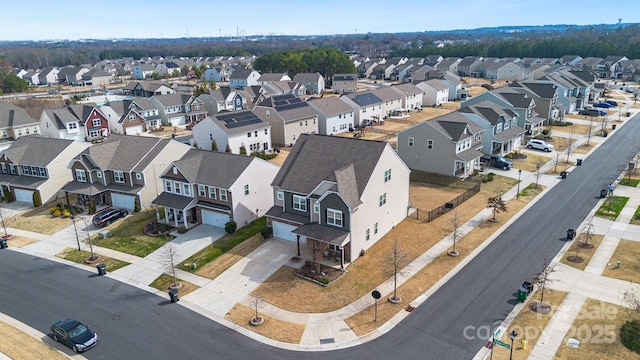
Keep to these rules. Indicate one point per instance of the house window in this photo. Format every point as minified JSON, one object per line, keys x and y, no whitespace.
{"x":118,"y":176}
{"x":387,"y":175}
{"x":4,"y":133}
{"x":26,"y":131}
{"x":212,"y":192}
{"x":81,"y":175}
{"x":35,"y":130}
{"x":334,"y":217}
{"x":43,"y":172}
{"x":12,"y":169}
{"x":19,"y":132}
{"x":382,"y":199}
{"x":4,"y":168}
{"x":246,"y":189}
{"x":176,"y":185}
{"x":96,"y":122}
{"x":223,"y":194}
{"x":201,"y":191}
{"x":93,"y":133}
{"x":72,"y":126}
{"x":299,"y":203}
{"x":300,"y":123}
{"x":316,"y":208}
{"x":266,"y":131}
{"x":187,"y":189}
{"x":256,"y":133}
{"x":280,"y":195}
{"x":429,"y":144}
{"x":167,"y":186}
{"x":132,"y":116}
{"x":367,"y":234}
{"x":26,"y":170}
{"x":411,"y":141}
{"x":375,"y":228}
{"x":138,"y":176}
{"x":99,"y":174}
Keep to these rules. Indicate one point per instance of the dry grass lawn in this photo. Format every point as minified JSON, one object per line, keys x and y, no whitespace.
{"x":598,"y":329}
{"x":19,"y":345}
{"x":163,"y":282}
{"x":583,"y":149}
{"x":529,"y":164}
{"x":272,"y":328}
{"x":288,"y":292}
{"x":586,"y":253}
{"x":528,"y":325}
{"x":39,"y":220}
{"x":214,"y":268}
{"x":628,"y":253}
{"x":19,"y":241}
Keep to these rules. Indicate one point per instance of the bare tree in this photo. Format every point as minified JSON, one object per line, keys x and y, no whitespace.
{"x":570,"y":147}
{"x":544,"y":277}
{"x":88,"y":230}
{"x":170,"y":261}
{"x":556,"y":160}
{"x":589,"y":231}
{"x":4,"y":215}
{"x":455,"y":222}
{"x":496,"y":204}
{"x":590,"y":130}
{"x":632,"y":299}
{"x":396,"y":258}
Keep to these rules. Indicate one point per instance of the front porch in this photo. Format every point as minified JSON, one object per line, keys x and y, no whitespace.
{"x":178,"y":210}
{"x":325,"y":245}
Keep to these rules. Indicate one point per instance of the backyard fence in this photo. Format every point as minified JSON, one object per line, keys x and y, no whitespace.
{"x":472,"y":187}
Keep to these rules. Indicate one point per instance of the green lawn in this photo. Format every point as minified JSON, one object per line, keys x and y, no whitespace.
{"x":611,"y":207}
{"x":128,"y":236}
{"x":79,"y":256}
{"x":629,"y":182}
{"x":223,"y":245}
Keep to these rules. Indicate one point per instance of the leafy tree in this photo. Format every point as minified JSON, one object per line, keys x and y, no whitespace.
{"x":496,"y":204}
{"x":37,"y":201}
{"x":243,"y":150}
{"x":196,"y":71}
{"x":228,"y":149}
{"x":11,"y":84}
{"x":214,"y":145}
{"x":212,"y":84}
{"x":155,"y":75}
{"x":185,"y":70}
{"x":230,"y":227}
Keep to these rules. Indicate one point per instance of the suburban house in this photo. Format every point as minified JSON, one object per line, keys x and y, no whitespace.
{"x":143,"y":71}
{"x":421,"y":73}
{"x":34,"y":164}
{"x":467,"y":66}
{"x":81,"y":122}
{"x":224,"y":99}
{"x":273,"y":88}
{"x":16,"y":122}
{"x":344,"y":83}
{"x":335,"y":197}
{"x":244,"y":77}
{"x":448,"y":65}
{"x":434,"y":92}
{"x":502,"y":135}
{"x":96,"y":77}
{"x":273,"y":77}
{"x":48,"y":76}
{"x":403,"y":72}
{"x":574,"y":93}
{"x":499,"y":70}
{"x":545,"y":95}
{"x":590,"y":63}
{"x":217,"y":74}
{"x":179,"y":108}
{"x":71,"y":75}
{"x":146,"y":89}
{"x":391,"y":100}
{"x":366,"y":105}
{"x":121,"y":171}
{"x":213,"y":188}
{"x":449,"y":145}
{"x":411,"y":96}
{"x":610,"y":67}
{"x":365,"y":68}
{"x":124,"y":118}
{"x":535,"y":71}
{"x":289,"y":117}
{"x":148,"y":112}
{"x":32,"y":77}
{"x":233,"y":131}
{"x":313,"y":82}
{"x":570,"y":60}
{"x":382,"y":71}
{"x":454,"y":83}
{"x":334,"y":115}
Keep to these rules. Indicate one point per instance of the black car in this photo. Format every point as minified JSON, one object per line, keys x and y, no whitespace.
{"x":496,"y":161}
{"x":74,"y":334}
{"x":108,"y":216}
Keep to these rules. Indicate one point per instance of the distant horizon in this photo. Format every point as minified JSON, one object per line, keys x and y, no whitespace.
{"x":38,"y":20}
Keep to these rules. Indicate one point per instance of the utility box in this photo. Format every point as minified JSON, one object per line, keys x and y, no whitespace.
{"x":104,"y":234}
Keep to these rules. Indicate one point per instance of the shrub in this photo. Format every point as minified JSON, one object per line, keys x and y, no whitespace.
{"x":37,"y":201}
{"x":630,"y":335}
{"x":266,"y":232}
{"x":545,"y":132}
{"x":57,"y":213}
{"x":92,"y":207}
{"x":230,"y":227}
{"x":8,"y":196}
{"x":53,"y":210}
{"x":136,"y":205}
{"x":324,"y":280}
{"x":66,"y":213}
{"x":182,"y":229}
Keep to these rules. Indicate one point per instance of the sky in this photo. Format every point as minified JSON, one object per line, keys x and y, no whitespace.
{"x":113,"y":19}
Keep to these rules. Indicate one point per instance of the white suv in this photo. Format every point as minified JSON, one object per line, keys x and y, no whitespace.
{"x":540,"y":145}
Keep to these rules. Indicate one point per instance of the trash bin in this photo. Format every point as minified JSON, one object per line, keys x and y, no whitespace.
{"x":527,"y":285}
{"x":571,"y":234}
{"x":613,"y":126}
{"x":3,"y":243}
{"x":603,"y":193}
{"x":578,"y":162}
{"x":628,"y":114}
{"x":102,"y":269}
{"x":522,"y":294}
{"x":173,"y":295}
{"x":563,"y":174}
{"x":605,"y":133}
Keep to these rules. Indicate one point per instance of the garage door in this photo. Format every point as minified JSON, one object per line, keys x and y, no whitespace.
{"x":123,"y":201}
{"x":133,"y":130}
{"x":284,"y":231}
{"x":214,"y":218}
{"x":24,"y":195}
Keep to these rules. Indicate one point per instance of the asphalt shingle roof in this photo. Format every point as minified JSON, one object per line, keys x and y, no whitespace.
{"x":35,"y":150}
{"x":212,"y":168}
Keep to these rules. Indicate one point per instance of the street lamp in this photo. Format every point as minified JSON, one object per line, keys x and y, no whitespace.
{"x":512,"y":335}
{"x":73,"y":218}
{"x":518,"y":193}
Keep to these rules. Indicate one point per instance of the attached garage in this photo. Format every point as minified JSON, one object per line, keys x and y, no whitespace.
{"x":123,"y":201}
{"x":24,"y":195}
{"x":284,"y":231}
{"x":214,"y":218}
{"x":134,"y":130}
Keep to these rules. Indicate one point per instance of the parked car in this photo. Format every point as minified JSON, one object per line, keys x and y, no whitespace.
{"x":74,"y":334}
{"x":108,"y":216}
{"x":603,"y":105}
{"x":591,"y":112}
{"x":612,"y":103}
{"x":629,"y":90}
{"x":496,"y":161}
{"x":539,"y":145}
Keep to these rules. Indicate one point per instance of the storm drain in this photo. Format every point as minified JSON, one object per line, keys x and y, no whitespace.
{"x":409,"y":308}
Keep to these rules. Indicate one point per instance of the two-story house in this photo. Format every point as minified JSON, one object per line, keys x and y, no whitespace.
{"x":434,"y":92}
{"x":450,"y":145}
{"x":224,"y":99}
{"x":502,"y":135}
{"x":391,"y":99}
{"x":344,"y":83}
{"x":16,"y":122}
{"x":34,"y":164}
{"x":366,"y":105}
{"x":81,"y":122}
{"x":143,"y":71}
{"x":338,"y":196}
{"x":233,"y":131}
{"x":411,"y":96}
{"x":313,"y":82}
{"x":545,"y":95}
{"x":178,"y":108}
{"x":334,"y":115}
{"x":243,"y":77}
{"x":289,"y":118}
{"x":121,"y":171}
{"x":213,"y":188}
{"x":146,"y":89}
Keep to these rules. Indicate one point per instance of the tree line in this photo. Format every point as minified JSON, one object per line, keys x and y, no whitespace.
{"x":326,"y":61}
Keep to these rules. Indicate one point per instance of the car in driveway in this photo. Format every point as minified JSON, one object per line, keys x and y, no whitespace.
{"x":603,"y":105}
{"x":74,"y":334}
{"x":108,"y":216}
{"x":591,"y":112}
{"x":496,"y":161}
{"x":539,"y":145}
{"x":612,"y":102}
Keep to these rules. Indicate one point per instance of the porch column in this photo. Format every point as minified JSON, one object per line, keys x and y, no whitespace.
{"x":298,"y":243}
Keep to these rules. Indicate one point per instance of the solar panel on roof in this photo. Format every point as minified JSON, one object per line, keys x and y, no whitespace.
{"x":235,"y":120}
{"x":290,"y":106}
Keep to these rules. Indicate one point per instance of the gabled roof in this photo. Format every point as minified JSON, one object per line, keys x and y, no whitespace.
{"x":307,"y":77}
{"x":35,"y":150}
{"x":364,"y":98}
{"x":331,"y":105}
{"x":237,"y":122}
{"x":317,"y":158}
{"x":212,"y":167}
{"x":274,"y":77}
{"x":453,"y":125}
{"x":513,"y":97}
{"x":289,"y":107}
{"x":407,"y":89}
{"x":541,"y":89}
{"x":489,"y":111}
{"x":345,"y":77}
{"x":14,"y":116}
{"x":175,"y":99}
{"x":386,"y":94}
{"x":73,"y":113}
{"x":125,"y":153}
{"x":146,"y":67}
{"x":240,"y":74}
